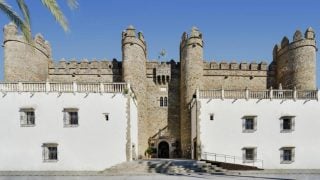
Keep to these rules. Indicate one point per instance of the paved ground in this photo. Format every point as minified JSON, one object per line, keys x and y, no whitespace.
{"x":153,"y":169}
{"x":170,"y":177}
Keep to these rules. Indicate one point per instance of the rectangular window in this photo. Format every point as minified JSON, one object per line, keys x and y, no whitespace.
{"x":211,"y":117}
{"x":50,"y":152}
{"x":287,"y":155}
{"x":27,"y":117}
{"x":106,"y":116}
{"x":249,"y":123}
{"x":287,"y":123}
{"x":70,"y":118}
{"x":249,"y":154}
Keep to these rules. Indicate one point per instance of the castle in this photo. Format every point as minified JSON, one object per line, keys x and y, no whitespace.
{"x":166,"y":91}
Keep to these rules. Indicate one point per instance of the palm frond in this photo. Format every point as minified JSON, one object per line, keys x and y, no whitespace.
{"x":25,"y":11}
{"x":53,"y":7}
{"x":13,"y":16}
{"x":73,"y":4}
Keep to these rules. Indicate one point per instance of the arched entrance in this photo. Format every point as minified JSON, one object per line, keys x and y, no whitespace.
{"x":163,"y":150}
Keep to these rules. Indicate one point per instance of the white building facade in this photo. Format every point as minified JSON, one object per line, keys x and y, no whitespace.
{"x":276,"y":129}
{"x":56,"y":126}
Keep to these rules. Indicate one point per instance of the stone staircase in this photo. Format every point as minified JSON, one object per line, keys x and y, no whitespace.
{"x":164,"y":166}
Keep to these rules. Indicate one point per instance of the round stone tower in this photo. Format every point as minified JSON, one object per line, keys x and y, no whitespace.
{"x":191,"y":59}
{"x":134,"y":57}
{"x":25,"y":61}
{"x":296,"y":61}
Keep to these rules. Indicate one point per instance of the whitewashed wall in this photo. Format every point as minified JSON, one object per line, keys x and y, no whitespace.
{"x":94,"y":145}
{"x":134,"y":128}
{"x":224,"y":134}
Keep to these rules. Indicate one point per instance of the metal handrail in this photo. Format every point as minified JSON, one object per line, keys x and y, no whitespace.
{"x":231,"y":159}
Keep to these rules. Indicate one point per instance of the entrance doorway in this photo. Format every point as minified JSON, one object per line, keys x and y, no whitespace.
{"x":163,"y":150}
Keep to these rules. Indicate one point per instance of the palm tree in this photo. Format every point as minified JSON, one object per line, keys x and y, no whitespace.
{"x":24,"y":23}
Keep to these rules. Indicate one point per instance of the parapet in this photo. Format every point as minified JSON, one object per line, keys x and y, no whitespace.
{"x":244,"y":66}
{"x":129,"y":36}
{"x":11,"y":33}
{"x":193,"y":39}
{"x":298,"y":40}
{"x":83,"y":67}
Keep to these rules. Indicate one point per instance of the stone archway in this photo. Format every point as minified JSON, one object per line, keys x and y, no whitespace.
{"x":163,"y":150}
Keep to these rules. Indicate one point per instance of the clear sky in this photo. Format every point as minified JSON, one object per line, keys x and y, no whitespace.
{"x":239,"y":30}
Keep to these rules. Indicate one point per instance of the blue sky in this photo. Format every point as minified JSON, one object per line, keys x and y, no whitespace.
{"x":239,"y":30}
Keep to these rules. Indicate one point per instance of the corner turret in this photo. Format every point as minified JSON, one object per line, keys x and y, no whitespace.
{"x":24,"y":61}
{"x":296,"y":61}
{"x":191,"y":59}
{"x":134,"y":57}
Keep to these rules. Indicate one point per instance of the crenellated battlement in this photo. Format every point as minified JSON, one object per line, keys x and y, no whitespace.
{"x":296,"y":61}
{"x":194,"y":38}
{"x":11,"y":33}
{"x":85,"y":67}
{"x":244,"y":66}
{"x":298,"y":40}
{"x":130,"y":37}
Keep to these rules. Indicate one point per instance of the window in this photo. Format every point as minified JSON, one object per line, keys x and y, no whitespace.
{"x":50,"y":152}
{"x":27,"y":117}
{"x":249,"y":154}
{"x":287,"y":123}
{"x":249,"y":123}
{"x":287,"y":155}
{"x":163,"y":101}
{"x":70,"y":117}
{"x":106,"y":116}
{"x":211,"y":117}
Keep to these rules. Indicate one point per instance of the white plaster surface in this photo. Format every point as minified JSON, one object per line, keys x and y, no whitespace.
{"x":224,"y":134}
{"x":94,"y":144}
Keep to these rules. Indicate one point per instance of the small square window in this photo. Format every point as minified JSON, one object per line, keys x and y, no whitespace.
{"x":249,"y":154}
{"x":106,"y":116}
{"x":70,"y":118}
{"x":50,"y":152}
{"x":211,"y":117}
{"x":27,"y":117}
{"x":287,"y":123}
{"x":249,"y":123}
{"x":287,"y":155}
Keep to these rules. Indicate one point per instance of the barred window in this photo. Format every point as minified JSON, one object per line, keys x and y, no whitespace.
{"x":287,"y":124}
{"x":70,"y":117}
{"x":27,"y":117}
{"x":50,"y":152}
{"x":249,"y":123}
{"x":249,"y":154}
{"x":287,"y":155}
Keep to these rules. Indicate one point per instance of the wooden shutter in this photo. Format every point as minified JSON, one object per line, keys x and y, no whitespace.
{"x":281,"y":155}
{"x":23,"y":118}
{"x":293,"y":123}
{"x":293,"y":154}
{"x":255,"y":123}
{"x":255,"y":154}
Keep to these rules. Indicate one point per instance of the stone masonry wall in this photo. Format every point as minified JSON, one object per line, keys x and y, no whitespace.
{"x":167,"y":118}
{"x":235,"y":75}
{"x":85,"y":71}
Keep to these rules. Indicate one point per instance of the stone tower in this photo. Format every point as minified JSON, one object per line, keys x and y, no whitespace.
{"x":134,"y":57}
{"x":191,"y":59}
{"x":25,"y":61}
{"x":296,"y":61}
